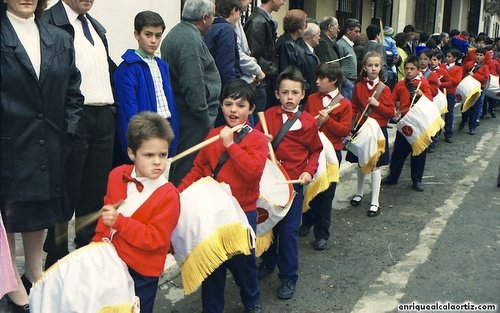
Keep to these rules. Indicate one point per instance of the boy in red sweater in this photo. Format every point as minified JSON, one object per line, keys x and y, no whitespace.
{"x":454,"y":78}
{"x":480,"y":72}
{"x":242,"y":171}
{"x":381,"y":102}
{"x":433,"y":79}
{"x":141,"y":207}
{"x":335,"y":126}
{"x":403,"y":94}
{"x":444,"y":80}
{"x":298,"y":152}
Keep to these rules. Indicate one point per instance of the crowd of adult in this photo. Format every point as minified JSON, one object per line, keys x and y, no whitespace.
{"x":65,"y":106}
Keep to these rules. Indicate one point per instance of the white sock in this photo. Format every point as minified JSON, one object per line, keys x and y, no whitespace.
{"x":376,"y":179}
{"x":361,"y":182}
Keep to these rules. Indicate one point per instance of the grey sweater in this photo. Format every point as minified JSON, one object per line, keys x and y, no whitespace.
{"x":349,"y":65}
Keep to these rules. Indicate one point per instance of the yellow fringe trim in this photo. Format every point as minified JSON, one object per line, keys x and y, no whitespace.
{"x":262,"y":243}
{"x":331,"y":175}
{"x":424,"y":140}
{"x":227,"y":241}
{"x":119,"y":308}
{"x":367,"y":168}
{"x":471,"y":99}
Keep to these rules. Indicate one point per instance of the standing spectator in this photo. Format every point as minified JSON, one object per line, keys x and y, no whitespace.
{"x":392,"y":56}
{"x":327,"y":49}
{"x":261,"y":34}
{"x":288,"y":50}
{"x":422,"y":42}
{"x":309,"y":42}
{"x":195,"y":79}
{"x":221,"y":40}
{"x":401,"y":40}
{"x":374,"y":44}
{"x":142,"y":83}
{"x":438,"y":39}
{"x":410,"y":32}
{"x":251,"y":71}
{"x":91,"y":156}
{"x":445,"y":43}
{"x":350,"y":34}
{"x":41,"y":104}
{"x":460,"y":42}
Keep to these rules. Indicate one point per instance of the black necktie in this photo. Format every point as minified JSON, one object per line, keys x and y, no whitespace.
{"x":86,"y":30}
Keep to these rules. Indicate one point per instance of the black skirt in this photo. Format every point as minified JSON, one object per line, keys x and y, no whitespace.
{"x":384,"y":159}
{"x":21,"y":217}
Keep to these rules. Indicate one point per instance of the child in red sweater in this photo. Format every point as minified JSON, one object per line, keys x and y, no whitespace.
{"x":480,"y":72}
{"x":433,"y":79}
{"x":242,"y":171}
{"x":455,"y":76}
{"x":444,"y":81}
{"x":403,"y":93}
{"x":141,"y":207}
{"x":298,"y":152}
{"x":335,"y":126}
{"x":369,"y":91}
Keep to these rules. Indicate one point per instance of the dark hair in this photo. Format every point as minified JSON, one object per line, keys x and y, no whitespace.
{"x":332,"y":71}
{"x":145,"y":126}
{"x":238,"y":88}
{"x":437,"y":55}
{"x":427,"y":52}
{"x":431,"y":44}
{"x":294,"y":20}
{"x":409,"y":29}
{"x":438,"y":38}
{"x":401,"y":39}
{"x":480,"y":38}
{"x":291,"y":72}
{"x":455,"y":53}
{"x":350,"y":24}
{"x":148,"y":18}
{"x":413,"y":60}
{"x":324,"y":24}
{"x":372,"y":31}
{"x":481,"y":50}
{"x":225,"y":7}
{"x":454,"y":32}
{"x":423,"y":37}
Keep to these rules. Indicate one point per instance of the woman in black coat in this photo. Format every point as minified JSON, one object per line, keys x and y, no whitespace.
{"x":40,"y":105}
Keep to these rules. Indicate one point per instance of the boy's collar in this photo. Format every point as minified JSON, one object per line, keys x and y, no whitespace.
{"x":143,"y":54}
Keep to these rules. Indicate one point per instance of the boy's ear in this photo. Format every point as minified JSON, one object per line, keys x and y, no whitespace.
{"x":252,"y":108}
{"x":136,"y":35}
{"x":131,"y":154}
{"x":303,"y":94}
{"x":277,"y":94}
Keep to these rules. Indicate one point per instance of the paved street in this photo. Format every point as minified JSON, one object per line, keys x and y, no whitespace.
{"x":442,"y":245}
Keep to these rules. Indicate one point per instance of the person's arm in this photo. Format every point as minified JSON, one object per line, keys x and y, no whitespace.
{"x":314,"y":147}
{"x":386,"y":104}
{"x":255,"y":31}
{"x":74,"y":98}
{"x":482,"y":74}
{"x":248,"y":64}
{"x":340,"y":126}
{"x":249,"y":159}
{"x":225,"y":58}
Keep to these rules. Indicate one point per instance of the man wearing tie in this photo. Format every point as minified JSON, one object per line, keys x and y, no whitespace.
{"x":91,"y":154}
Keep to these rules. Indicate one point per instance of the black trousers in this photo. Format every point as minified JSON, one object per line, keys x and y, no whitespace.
{"x":401,"y":150}
{"x":85,"y":178}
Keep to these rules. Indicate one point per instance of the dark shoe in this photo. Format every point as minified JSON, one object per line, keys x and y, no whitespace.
{"x":18,"y":308}
{"x":255,"y":309}
{"x":287,"y":289}
{"x":373,"y":211}
{"x":478,"y":122}
{"x":304,"y":230}
{"x":418,"y":186}
{"x":264,"y":271}
{"x":388,"y":181}
{"x":431,"y":148}
{"x":356,"y":200}
{"x":461,"y":126}
{"x":319,"y":244}
{"x":472,"y":132}
{"x":492,"y":113}
{"x":26,"y":283}
{"x":448,"y":139}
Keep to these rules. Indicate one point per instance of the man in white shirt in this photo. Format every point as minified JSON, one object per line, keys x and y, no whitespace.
{"x":90,"y":160}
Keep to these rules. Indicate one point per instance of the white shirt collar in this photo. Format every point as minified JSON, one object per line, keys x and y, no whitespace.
{"x":72,"y":15}
{"x":348,"y":41}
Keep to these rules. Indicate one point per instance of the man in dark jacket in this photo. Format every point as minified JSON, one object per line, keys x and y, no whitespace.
{"x":261,"y":35}
{"x":310,"y":40}
{"x":327,"y":49}
{"x":91,"y":155}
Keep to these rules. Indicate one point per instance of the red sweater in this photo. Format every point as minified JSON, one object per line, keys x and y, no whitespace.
{"x":445,"y":77}
{"x":433,"y":80}
{"x":338,"y":125}
{"x":454,"y":75}
{"x":402,"y":94}
{"x":382,"y":113}
{"x":299,"y":150}
{"x":482,"y":74}
{"x":143,"y":239}
{"x":471,"y":57}
{"x":242,"y":171}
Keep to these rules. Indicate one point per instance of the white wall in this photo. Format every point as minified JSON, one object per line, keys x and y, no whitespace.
{"x":118,"y":19}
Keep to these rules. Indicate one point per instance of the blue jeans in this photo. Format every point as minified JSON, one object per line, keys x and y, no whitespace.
{"x":448,"y":117}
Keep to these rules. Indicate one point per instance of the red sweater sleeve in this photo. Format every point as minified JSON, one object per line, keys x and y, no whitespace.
{"x":433,"y":80}
{"x":482,"y":74}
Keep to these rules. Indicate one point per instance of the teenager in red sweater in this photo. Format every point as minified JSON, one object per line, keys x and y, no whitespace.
{"x":454,"y":77}
{"x":335,"y":126}
{"x":433,"y":79}
{"x":242,"y":171}
{"x":298,"y":152}
{"x":444,"y":81}
{"x":368,"y":91}
{"x":403,"y":94}
{"x":141,"y":207}
{"x":481,"y":72}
